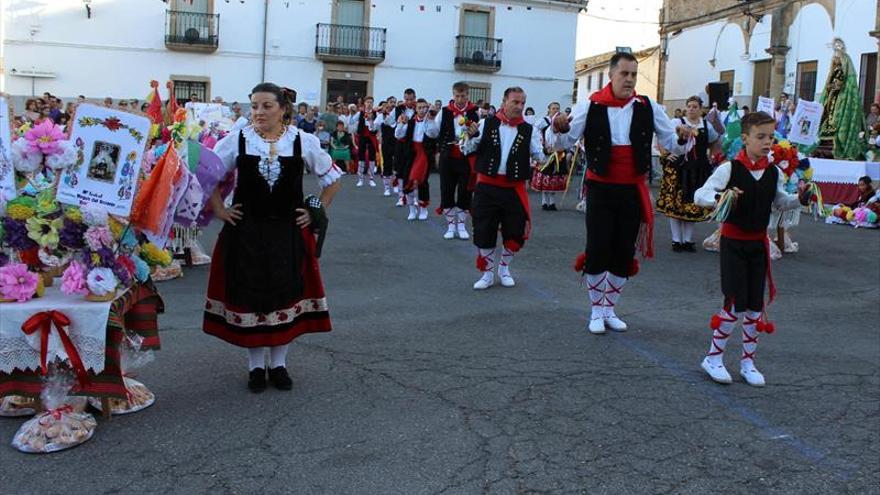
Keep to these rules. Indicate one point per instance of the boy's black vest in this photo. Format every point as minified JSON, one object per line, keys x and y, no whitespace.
{"x":752,"y":209}
{"x":597,"y":136}
{"x":447,"y":137}
{"x":489,"y":151}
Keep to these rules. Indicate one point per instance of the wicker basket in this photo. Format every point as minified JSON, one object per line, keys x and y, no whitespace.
{"x":106,"y":297}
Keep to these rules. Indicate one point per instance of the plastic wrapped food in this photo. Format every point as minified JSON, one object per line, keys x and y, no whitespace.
{"x":16,"y":406}
{"x":56,"y":429}
{"x":139,"y":397}
{"x":63,"y":425}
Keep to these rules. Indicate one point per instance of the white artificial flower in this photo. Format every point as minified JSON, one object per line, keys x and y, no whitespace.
{"x":23,"y":159}
{"x":101,"y":281}
{"x":65,"y":158}
{"x":94,"y":215}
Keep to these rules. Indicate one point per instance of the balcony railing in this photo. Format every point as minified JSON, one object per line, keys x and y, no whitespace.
{"x":356,"y":44}
{"x":192,"y":30}
{"x":478,"y":53}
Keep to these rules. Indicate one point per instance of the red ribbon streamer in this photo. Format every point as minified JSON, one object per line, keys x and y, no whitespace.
{"x":43,"y":322}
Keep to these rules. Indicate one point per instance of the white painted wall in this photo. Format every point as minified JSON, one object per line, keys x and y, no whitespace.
{"x":121,"y":48}
{"x":810,"y":37}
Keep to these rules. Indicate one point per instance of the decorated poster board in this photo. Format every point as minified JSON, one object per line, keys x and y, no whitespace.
{"x":208,"y":113}
{"x":7,"y":174}
{"x":805,"y":123}
{"x":110,"y":146}
{"x":766,"y":105}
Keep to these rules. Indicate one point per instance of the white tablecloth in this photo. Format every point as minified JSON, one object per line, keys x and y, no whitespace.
{"x":843,"y":171}
{"x":87,"y":331}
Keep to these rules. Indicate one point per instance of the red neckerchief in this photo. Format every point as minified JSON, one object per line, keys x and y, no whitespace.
{"x":456,"y":112}
{"x":418,"y":119}
{"x":508,"y":121}
{"x":606,"y":97}
{"x":743,"y":158}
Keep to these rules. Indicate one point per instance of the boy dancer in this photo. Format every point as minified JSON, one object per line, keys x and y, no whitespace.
{"x":745,"y":262}
{"x":363,"y":126}
{"x":412,"y":161}
{"x":455,"y":168}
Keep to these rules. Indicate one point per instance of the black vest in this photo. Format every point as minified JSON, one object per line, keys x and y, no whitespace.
{"x":597,"y":136}
{"x":447,"y":135}
{"x":489,"y":151}
{"x":752,"y":209}
{"x":362,"y":123}
{"x":404,"y":153}
{"x":701,"y":146}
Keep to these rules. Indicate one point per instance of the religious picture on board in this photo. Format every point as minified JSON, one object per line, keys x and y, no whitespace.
{"x":102,"y":166}
{"x":805,"y":126}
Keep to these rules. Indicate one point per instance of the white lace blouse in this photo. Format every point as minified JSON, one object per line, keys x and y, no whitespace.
{"x":316,"y":159}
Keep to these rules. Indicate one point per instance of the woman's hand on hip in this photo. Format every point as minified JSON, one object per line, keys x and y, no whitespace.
{"x":303,"y":218}
{"x":230,"y":215}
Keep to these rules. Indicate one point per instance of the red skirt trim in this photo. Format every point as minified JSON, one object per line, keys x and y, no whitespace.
{"x":245,"y":328}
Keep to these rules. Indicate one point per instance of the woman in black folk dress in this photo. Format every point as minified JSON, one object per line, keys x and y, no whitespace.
{"x":682,"y":175}
{"x":265,"y":286}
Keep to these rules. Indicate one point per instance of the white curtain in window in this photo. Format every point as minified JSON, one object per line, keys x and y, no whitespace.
{"x":476,"y":23}
{"x":350,"y":12}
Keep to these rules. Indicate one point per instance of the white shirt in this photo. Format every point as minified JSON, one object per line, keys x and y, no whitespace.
{"x":422,"y":128}
{"x":620,"y":120}
{"x":391,"y":119}
{"x":507,"y":133}
{"x":717,"y":183}
{"x":316,"y":159}
{"x":371,"y":124}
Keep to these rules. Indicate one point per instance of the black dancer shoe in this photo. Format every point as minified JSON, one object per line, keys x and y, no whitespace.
{"x":689,"y":247}
{"x":545,"y":207}
{"x":552,"y":207}
{"x":257,"y":380}
{"x":280,"y":379}
{"x":677,"y":247}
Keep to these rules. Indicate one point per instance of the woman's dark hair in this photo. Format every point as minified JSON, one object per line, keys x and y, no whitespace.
{"x":530,"y":109}
{"x":866,"y":180}
{"x":696,"y":99}
{"x":284,"y":96}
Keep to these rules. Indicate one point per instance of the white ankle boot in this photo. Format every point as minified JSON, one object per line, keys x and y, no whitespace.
{"x":716,"y":370}
{"x":423,"y":213}
{"x":506,"y":278}
{"x":486,"y":281}
{"x":413,"y":212}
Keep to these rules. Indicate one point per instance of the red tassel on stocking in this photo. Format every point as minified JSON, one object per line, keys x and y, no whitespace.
{"x":580,"y":263}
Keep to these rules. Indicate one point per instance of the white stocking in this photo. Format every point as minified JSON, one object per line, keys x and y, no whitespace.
{"x":278,"y":355}
{"x":676,"y":227}
{"x":687,"y":231}
{"x":257,"y":357}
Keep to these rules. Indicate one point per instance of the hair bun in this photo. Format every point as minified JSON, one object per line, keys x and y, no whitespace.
{"x":289,"y":94}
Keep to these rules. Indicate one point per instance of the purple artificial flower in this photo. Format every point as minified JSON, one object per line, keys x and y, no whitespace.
{"x":71,"y":234}
{"x":16,"y":235}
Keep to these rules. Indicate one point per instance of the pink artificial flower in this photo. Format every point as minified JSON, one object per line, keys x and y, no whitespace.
{"x":16,"y":282}
{"x":97,"y":237}
{"x":73,"y":280}
{"x":44,"y":137}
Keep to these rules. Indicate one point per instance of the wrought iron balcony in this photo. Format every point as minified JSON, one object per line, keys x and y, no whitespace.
{"x":477,"y":53}
{"x":192,"y":31}
{"x":357,"y":44}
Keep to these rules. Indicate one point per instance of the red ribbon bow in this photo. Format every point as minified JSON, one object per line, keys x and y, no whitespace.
{"x":43,"y":322}
{"x":57,"y":412}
